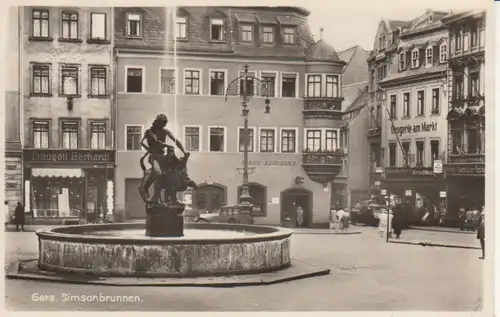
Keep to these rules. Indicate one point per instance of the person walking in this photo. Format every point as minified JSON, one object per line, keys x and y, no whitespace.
{"x":300,"y":216}
{"x":19,"y":216}
{"x":382,"y":225}
{"x":397,"y":220}
{"x":333,"y":218}
{"x":481,"y":234}
{"x":6,"y":214}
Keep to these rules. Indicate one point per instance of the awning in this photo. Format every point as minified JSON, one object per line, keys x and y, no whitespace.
{"x":57,"y":172}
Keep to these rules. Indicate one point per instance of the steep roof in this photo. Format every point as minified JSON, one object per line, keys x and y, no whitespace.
{"x":322,"y":51}
{"x":360,"y":101}
{"x":351,"y":93}
{"x":356,"y":69}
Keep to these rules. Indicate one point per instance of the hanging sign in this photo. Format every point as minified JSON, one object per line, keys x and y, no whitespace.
{"x":438,"y":167}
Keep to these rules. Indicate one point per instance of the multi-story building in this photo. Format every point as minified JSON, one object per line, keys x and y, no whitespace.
{"x":13,"y":147}
{"x":466,"y":118}
{"x":414,"y":129}
{"x":181,"y":61}
{"x":67,"y":104}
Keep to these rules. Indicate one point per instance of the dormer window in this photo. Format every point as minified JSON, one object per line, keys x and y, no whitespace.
{"x":247,"y":33}
{"x":268,"y":34}
{"x":414,"y":58}
{"x":402,"y":61}
{"x":134,"y":24}
{"x":180,"y":27}
{"x":289,"y":36}
{"x":217,"y":29}
{"x":443,"y":52}
{"x":428,"y":56}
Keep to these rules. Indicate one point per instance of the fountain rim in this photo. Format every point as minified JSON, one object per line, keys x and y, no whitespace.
{"x":63,"y":233}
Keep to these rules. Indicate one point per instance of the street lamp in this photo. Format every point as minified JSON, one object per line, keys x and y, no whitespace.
{"x":245,"y":198}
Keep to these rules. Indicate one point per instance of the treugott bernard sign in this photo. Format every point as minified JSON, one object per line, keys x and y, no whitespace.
{"x":464,"y":169}
{"x":69,"y":156}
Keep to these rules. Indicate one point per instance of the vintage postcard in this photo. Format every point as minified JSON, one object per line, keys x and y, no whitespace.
{"x":253,"y":157}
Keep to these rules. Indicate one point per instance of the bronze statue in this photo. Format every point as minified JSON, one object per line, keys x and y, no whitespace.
{"x":167,"y":172}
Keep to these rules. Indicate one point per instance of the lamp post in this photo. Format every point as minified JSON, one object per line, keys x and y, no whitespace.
{"x":245,"y":198}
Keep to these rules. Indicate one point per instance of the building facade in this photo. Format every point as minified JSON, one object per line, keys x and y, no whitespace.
{"x":466,"y":117}
{"x":414,"y":115}
{"x":182,"y":61}
{"x":67,"y":103}
{"x":13,"y":147}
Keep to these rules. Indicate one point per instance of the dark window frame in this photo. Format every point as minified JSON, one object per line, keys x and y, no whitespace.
{"x":45,"y":70}
{"x":287,"y":138}
{"x":421,"y":103}
{"x":314,"y":135}
{"x":92,"y":37}
{"x":76,"y":130}
{"x":222,"y":136}
{"x":69,"y":71}
{"x":267,"y":136}
{"x":69,"y":20}
{"x":251,"y":143}
{"x":314,"y":83}
{"x":393,"y":154}
{"x":406,"y":105}
{"x":99,"y":72}
{"x":40,"y":19}
{"x":128,"y":26}
{"x":218,"y":91}
{"x":127,"y":70}
{"x":189,"y":77}
{"x":289,"y":38}
{"x":193,"y":132}
{"x":436,"y":101}
{"x":92,"y":131}
{"x":129,"y":136}
{"x":46,"y":122}
{"x":331,"y":135}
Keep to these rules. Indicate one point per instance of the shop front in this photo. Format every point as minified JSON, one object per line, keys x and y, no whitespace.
{"x":465,"y":187}
{"x":68,"y":184}
{"x":419,"y":189}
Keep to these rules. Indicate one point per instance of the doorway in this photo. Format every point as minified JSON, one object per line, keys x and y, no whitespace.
{"x":292,"y":198}
{"x":209,"y":197}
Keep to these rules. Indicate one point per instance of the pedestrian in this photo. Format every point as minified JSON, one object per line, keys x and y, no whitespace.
{"x":19,"y":216}
{"x":333,"y":218}
{"x":468,"y":219}
{"x":382,"y":225}
{"x":342,"y":219}
{"x":6,"y":214}
{"x":300,"y":216}
{"x":461,"y":217}
{"x":397,"y":220}
{"x":481,"y":233}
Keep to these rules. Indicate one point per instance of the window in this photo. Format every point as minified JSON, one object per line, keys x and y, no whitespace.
{"x":134,"y":24}
{"x":40,"y":23}
{"x":332,"y":86}
{"x":40,"y":78}
{"x":250,"y":84}
{"x":406,"y":150}
{"x":474,"y":84}
{"x":428,"y":56}
{"x":69,"y":135}
{"x":434,"y":150}
{"x":247,"y":33}
{"x":217,"y":83}
{"x":458,"y":40}
{"x":420,"y":103}
{"x":459,"y":86}
{"x":69,"y":80}
{"x":69,"y":25}
{"x":98,"y":135}
{"x":269,"y":80}
{"x":268,"y":34}
{"x":217,"y":30}
{"x":420,"y":153}
{"x":180,"y":27}
{"x":288,"y":139}
{"x":314,"y":85}
{"x":192,"y":82}
{"x":289,"y":85}
{"x":331,"y":140}
{"x":98,"y":80}
{"x":402,"y":61}
{"x":472,"y":132}
{"x":98,"y":26}
{"x":267,"y":140}
{"x":473,"y":36}
{"x":135,"y":79}
{"x":167,"y":81}
{"x":40,"y":134}
{"x":134,"y":136}
{"x":406,"y":104}
{"x":192,"y":139}
{"x":382,"y":72}
{"x":217,"y":139}
{"x":394,"y":107}
{"x":250,"y":145}
{"x":435,"y":101}
{"x":313,"y":140}
{"x":443,"y":53}
{"x":414,"y":59}
{"x":392,"y":154}
{"x":289,"y":36}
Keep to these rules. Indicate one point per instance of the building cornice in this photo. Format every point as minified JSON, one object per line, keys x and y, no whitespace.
{"x":412,"y":79}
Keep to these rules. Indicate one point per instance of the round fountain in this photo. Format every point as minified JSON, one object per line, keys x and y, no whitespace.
{"x":123,"y":249}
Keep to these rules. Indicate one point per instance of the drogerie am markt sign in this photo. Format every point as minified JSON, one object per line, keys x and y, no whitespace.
{"x":68,"y":156}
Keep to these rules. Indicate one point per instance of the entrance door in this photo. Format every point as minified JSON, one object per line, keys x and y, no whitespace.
{"x":209,"y":197}
{"x":291,"y":199}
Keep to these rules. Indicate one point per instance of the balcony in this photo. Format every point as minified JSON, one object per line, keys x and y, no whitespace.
{"x":323,"y":107}
{"x":322,"y":166}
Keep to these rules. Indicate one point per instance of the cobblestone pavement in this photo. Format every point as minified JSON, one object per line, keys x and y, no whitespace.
{"x":367,"y":274}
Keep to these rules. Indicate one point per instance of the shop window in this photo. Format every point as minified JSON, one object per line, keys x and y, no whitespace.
{"x":41,"y":134}
{"x":313,"y":140}
{"x":331,"y":140}
{"x":135,"y":80}
{"x":269,"y":80}
{"x":57,"y":196}
{"x":70,"y":134}
{"x":289,"y":85}
{"x":69,"y":25}
{"x":217,"y":139}
{"x":98,"y":135}
{"x":192,"y":139}
{"x":258,"y":193}
{"x":217,"y":30}
{"x":251,"y":140}
{"x":217,"y":83}
{"x":192,"y":82}
{"x":167,"y":81}
{"x":288,"y":139}
{"x":267,"y":140}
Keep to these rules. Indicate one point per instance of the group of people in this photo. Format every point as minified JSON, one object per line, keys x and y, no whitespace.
{"x":470,"y":218}
{"x":391,"y":221}
{"x":18,"y":217}
{"x":339,"y":218}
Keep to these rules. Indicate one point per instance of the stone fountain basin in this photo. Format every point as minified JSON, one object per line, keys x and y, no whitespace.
{"x":124,"y":250}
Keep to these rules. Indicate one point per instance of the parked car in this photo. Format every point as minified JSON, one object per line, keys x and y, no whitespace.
{"x":226,"y":214}
{"x":365,"y":212}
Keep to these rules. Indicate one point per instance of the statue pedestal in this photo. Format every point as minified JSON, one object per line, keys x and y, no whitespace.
{"x":165,"y":220}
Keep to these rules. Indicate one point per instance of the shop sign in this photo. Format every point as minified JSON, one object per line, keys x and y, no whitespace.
{"x":442,"y":194}
{"x":68,"y":156}
{"x":271,"y":163}
{"x":379,"y":170}
{"x":438,"y":167}
{"x":416,"y":128}
{"x":408,"y":192}
{"x":409,"y":171}
{"x":465,"y":169}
